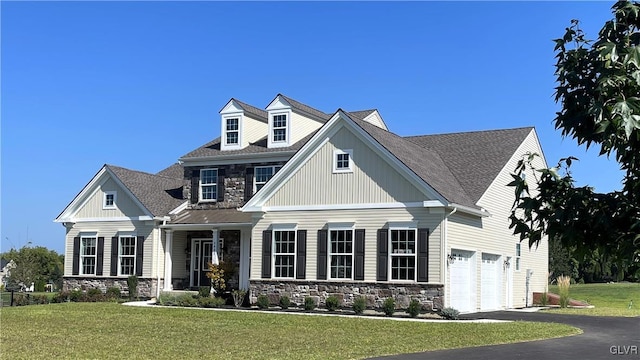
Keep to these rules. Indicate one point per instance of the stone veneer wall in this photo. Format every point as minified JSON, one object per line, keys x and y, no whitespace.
{"x":430,"y":296}
{"x":146,"y":286}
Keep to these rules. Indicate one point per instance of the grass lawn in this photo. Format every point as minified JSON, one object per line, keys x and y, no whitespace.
{"x":608,"y":299}
{"x":109,"y":330}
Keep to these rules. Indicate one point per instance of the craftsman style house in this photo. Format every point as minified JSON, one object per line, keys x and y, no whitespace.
{"x":295,"y":201}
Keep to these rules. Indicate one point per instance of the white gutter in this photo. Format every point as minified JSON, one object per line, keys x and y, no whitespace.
{"x":164,"y":222}
{"x":469,"y":210}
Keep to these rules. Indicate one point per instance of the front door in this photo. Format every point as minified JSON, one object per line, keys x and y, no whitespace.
{"x":202,"y":249}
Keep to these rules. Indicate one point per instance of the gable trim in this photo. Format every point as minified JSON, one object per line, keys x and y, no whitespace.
{"x":396,"y":205}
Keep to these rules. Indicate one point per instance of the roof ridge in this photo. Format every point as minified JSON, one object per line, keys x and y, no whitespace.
{"x":255,"y":109}
{"x":470,"y":132}
{"x":304,"y":107}
{"x":141,"y":172}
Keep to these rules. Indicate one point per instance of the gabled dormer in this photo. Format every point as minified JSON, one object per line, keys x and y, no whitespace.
{"x":240,"y":125}
{"x":289,"y":121}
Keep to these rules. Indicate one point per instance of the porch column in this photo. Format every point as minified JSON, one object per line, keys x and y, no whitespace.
{"x":168,"y":264}
{"x":216,"y":245}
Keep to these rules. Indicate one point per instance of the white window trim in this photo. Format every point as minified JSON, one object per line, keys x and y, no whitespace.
{"x":284,"y":227}
{"x":287,"y":142}
{"x":518,"y":257}
{"x":341,"y":227}
{"x":335,"y":161}
{"x":403,"y":226}
{"x":223,"y":141}
{"x":104,"y":200}
{"x":88,"y":235}
{"x":255,"y":174}
{"x":135,"y":251}
{"x":200,"y":184}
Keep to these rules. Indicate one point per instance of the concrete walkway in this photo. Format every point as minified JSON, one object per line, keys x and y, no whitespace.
{"x":602,"y":338}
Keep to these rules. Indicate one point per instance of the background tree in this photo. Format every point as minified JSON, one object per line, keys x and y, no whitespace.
{"x":598,"y":89}
{"x":37,"y":265}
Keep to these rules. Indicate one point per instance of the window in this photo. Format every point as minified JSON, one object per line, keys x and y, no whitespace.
{"x":341,"y":253}
{"x":208,"y":184}
{"x":262,"y":175}
{"x":127,"y":255}
{"x":109,"y":200}
{"x":342,"y":160}
{"x":232,"y":131}
{"x":279,"y":128}
{"x":284,"y":253}
{"x":518,"y":257}
{"x":88,"y":245}
{"x":403,"y":254}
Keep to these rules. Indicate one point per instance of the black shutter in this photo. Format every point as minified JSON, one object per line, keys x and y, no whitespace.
{"x":358,"y":272}
{"x":195,"y":186}
{"x":383,"y":253}
{"x":139,"y":255}
{"x":248,"y":184}
{"x":322,"y":255}
{"x":76,"y":256}
{"x":114,"y":256}
{"x":301,"y":261}
{"x":266,"y":254}
{"x":220,"y":186}
{"x":100,"y":257}
{"x":423,"y":254}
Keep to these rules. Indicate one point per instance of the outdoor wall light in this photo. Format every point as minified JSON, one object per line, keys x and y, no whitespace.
{"x":451,"y":259}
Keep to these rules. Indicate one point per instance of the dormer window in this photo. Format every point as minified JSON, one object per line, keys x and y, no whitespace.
{"x":232,"y":133}
{"x":279,"y":128}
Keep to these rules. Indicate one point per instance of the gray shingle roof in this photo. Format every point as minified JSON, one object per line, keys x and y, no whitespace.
{"x":212,"y":148}
{"x":306,"y":108}
{"x":175,"y":171}
{"x":361,"y":114}
{"x":475,"y":158}
{"x":159,"y":194}
{"x":214,"y":216}
{"x":257,"y":113}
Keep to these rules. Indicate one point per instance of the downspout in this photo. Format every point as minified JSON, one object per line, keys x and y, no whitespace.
{"x":445,"y":262}
{"x":164,"y":222}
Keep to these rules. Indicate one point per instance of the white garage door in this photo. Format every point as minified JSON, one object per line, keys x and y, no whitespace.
{"x":461,"y":286}
{"x":490,"y":282}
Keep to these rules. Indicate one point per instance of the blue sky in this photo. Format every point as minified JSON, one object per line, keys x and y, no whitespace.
{"x":138,"y":84}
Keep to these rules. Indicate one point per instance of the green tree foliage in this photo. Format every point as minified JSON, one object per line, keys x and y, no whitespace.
{"x":599,"y":92}
{"x":35,"y":265}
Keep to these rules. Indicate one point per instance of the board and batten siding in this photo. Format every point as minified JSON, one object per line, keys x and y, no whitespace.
{"x":369,"y":219}
{"x":253,"y":130}
{"x":108,"y":230}
{"x":125,"y":206}
{"x":492,"y":234}
{"x":373,"y":180}
{"x":301,"y":126}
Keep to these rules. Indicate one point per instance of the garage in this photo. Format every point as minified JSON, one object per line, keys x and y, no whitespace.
{"x":462,"y":289}
{"x":491,"y":282}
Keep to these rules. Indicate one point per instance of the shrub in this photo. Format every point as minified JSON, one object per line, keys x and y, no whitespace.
{"x":39,"y":285}
{"x":563,"y":288}
{"x":414,"y":308}
{"x":186,"y":300}
{"x":359,"y":305}
{"x":113,"y":293}
{"x":285,"y":302}
{"x":132,"y":284}
{"x":544,"y":299}
{"x":94,"y":295}
{"x":76,"y":296}
{"x":204,"y":291}
{"x":309,"y":303}
{"x":263,"y":302}
{"x":332,"y":303}
{"x":166,"y":299}
{"x":211,"y":302}
{"x":39,"y":299}
{"x":389,"y":306}
{"x":238,"y":297}
{"x":60,"y":297}
{"x":450,"y":313}
{"x":216,"y":274}
{"x":20,"y":299}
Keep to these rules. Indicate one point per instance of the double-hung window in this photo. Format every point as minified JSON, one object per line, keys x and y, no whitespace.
{"x":262,"y":175}
{"x":126,"y":255}
{"x":232,"y":131}
{"x":341,"y":253}
{"x":208,"y":184}
{"x":403,"y":254}
{"x":518,"y":257}
{"x":342,"y":161}
{"x":88,"y":254}
{"x":284,"y":254}
{"x":279,"y":128}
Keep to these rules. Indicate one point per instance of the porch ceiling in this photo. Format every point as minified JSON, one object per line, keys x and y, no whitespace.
{"x":215,"y":216}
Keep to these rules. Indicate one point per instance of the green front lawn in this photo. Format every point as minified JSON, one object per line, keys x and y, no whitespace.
{"x":619,"y":299}
{"x":109,"y":330}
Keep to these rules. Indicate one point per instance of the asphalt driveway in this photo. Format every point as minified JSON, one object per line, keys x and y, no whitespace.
{"x":602,"y":338}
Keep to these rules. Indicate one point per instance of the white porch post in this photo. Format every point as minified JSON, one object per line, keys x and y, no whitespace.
{"x":215,"y":249}
{"x":168,"y":264}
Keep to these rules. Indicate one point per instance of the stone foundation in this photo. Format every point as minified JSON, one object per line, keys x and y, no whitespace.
{"x":146,"y":287}
{"x":430,"y":296}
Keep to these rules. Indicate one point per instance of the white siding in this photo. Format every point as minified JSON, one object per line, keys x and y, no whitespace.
{"x":125,"y":206}
{"x":492,"y":234}
{"x":369,"y":219}
{"x":301,"y":126}
{"x":109,"y":230}
{"x":178,"y":255}
{"x":373,"y":180}
{"x":253,"y":130}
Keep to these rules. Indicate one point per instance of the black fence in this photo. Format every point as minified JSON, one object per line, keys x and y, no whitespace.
{"x":15,"y":298}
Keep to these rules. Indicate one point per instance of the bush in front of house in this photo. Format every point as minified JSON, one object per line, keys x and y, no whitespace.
{"x":262,"y":302}
{"x":113,"y":293}
{"x":94,"y":295}
{"x":450,"y":313}
{"x":204,"y":291}
{"x":210,"y":302}
{"x":132,"y":284}
{"x":359,"y":305}
{"x":309,"y":303}
{"x":238,"y":297}
{"x":77,"y":296}
{"x":389,"y":306}
{"x":414,"y":308}
{"x":285,"y":302}
{"x":332,"y":303}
